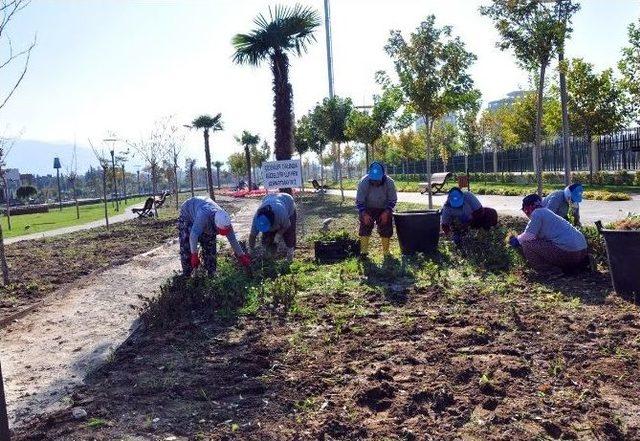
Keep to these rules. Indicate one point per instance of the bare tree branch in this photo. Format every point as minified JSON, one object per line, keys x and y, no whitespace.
{"x":24,"y":71}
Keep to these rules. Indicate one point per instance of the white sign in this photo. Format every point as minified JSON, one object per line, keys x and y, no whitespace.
{"x":282,"y":174}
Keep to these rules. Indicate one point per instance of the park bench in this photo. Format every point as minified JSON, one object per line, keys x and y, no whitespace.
{"x":438,"y":180}
{"x":146,"y":210}
{"x":159,"y":202}
{"x":317,"y":187}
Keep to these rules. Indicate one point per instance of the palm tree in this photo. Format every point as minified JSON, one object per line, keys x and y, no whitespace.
{"x":287,"y":30}
{"x":248,"y":140}
{"x":217,"y":165}
{"x":206,"y":123}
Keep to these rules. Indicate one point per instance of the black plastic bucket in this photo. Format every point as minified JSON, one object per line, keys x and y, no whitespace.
{"x":623,"y":253}
{"x":336,"y":250}
{"x":418,"y":231}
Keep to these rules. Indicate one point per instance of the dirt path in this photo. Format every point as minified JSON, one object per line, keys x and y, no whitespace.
{"x":51,"y":350}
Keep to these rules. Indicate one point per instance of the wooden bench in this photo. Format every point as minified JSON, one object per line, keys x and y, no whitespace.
{"x":438,"y":180}
{"x":146,"y":211}
{"x":317,"y":187}
{"x":159,"y":202}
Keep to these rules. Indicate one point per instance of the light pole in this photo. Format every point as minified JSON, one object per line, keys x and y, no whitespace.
{"x":113,"y":170}
{"x":57,"y":166}
{"x":327,"y":26}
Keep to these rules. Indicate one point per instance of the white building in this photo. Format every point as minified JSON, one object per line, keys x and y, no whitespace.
{"x":510,"y":99}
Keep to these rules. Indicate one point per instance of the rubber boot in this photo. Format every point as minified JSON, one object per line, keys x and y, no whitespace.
{"x":385,"y":245}
{"x":364,"y":245}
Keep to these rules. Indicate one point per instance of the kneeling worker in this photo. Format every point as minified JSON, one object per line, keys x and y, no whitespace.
{"x":376,"y":198}
{"x":463,"y":210}
{"x":561,"y":201}
{"x":201,"y":220}
{"x":550,"y":243}
{"x":276,"y":216}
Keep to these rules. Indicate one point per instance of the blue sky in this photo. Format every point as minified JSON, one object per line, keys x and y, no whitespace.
{"x":120,"y":64}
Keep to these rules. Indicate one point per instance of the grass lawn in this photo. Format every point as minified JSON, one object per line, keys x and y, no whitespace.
{"x":55,"y":218}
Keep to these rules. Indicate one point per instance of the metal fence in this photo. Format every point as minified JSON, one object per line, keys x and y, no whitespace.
{"x":619,"y":151}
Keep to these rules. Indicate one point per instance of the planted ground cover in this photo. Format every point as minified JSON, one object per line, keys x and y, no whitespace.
{"x":466,"y":344}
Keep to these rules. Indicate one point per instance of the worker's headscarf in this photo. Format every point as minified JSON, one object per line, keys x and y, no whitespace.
{"x":573,"y":193}
{"x":455,"y":198}
{"x":264,"y":219}
{"x":530,"y":203}
{"x":222,"y":222}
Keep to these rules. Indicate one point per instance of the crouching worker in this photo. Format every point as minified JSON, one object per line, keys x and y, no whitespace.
{"x":201,"y":220}
{"x":276,"y":216}
{"x":376,"y":198}
{"x":563,"y":201}
{"x":550,"y":244}
{"x":463,"y":210}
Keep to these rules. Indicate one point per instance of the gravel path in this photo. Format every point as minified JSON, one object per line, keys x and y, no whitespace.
{"x":45,"y":354}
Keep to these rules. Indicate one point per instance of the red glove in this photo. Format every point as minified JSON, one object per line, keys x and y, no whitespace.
{"x":244,"y":260}
{"x":366,"y":218}
{"x":195,"y":260}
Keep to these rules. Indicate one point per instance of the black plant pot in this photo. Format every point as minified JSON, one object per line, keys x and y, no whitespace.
{"x":336,"y":250}
{"x":418,"y":231}
{"x":623,"y":253}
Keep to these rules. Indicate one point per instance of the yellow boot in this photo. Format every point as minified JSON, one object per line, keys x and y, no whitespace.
{"x":364,"y":245}
{"x":385,"y":245}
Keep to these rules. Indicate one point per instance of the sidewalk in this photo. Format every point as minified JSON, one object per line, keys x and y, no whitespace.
{"x":128,"y":214}
{"x":590,"y":211}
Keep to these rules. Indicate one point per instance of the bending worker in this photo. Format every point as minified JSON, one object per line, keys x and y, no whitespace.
{"x":376,"y":198}
{"x":561,"y":201}
{"x":463,"y":210}
{"x":550,"y":243}
{"x":276,"y":216}
{"x":201,"y":220}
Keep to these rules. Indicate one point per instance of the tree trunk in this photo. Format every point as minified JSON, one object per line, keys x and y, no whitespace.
{"x":4,"y":267}
{"x":115,"y":185}
{"x":366,"y":155}
{"x":218,"y":176}
{"x":154,"y":179}
{"x":564,"y":99}
{"x":104,"y":193}
{"x":428,"y":131}
{"x":176,"y":184}
{"x":321,"y":169}
{"x":191,"y":179}
{"x":282,"y":109}
{"x":537,"y":148}
{"x":340,"y":173}
{"x":75,"y":199}
{"x":247,"y":156}
{"x":124,"y":185}
{"x":4,"y":420}
{"x":207,"y":154}
{"x":6,"y":198}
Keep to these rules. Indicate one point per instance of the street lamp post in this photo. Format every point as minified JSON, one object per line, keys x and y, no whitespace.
{"x":124,"y":185}
{"x":57,"y":166}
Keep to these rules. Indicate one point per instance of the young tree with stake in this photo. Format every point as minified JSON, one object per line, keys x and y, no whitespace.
{"x":206,"y":123}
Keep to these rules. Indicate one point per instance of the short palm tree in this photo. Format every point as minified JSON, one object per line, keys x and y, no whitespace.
{"x":206,"y":123}
{"x":287,"y":30}
{"x":217,"y":165}
{"x":248,"y":140}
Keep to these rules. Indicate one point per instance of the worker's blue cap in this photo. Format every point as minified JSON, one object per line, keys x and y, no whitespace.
{"x":576,"y":192}
{"x":455,"y":198}
{"x":376,"y":172}
{"x":263,"y":223}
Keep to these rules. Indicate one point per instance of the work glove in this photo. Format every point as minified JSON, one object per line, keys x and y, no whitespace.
{"x":514,"y":242}
{"x":366,"y":218}
{"x":195,"y":260}
{"x":385,"y":217}
{"x":245,"y":260}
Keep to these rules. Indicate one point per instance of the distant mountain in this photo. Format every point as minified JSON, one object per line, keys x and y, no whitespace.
{"x":36,"y":157}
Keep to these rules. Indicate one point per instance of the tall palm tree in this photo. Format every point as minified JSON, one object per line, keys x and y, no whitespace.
{"x":206,"y":123}
{"x":287,"y":30}
{"x":248,"y":140}
{"x":217,"y":165}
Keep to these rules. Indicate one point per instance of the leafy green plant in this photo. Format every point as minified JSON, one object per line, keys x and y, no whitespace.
{"x":330,"y":236}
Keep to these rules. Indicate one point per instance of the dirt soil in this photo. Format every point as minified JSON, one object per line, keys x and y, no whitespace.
{"x":76,"y":329}
{"x":402,"y":362}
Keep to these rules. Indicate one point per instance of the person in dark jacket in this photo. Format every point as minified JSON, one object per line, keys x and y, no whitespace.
{"x":201,"y":220}
{"x":376,"y":198}
{"x":563,"y":201}
{"x":275,"y":216}
{"x":463,"y":210}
